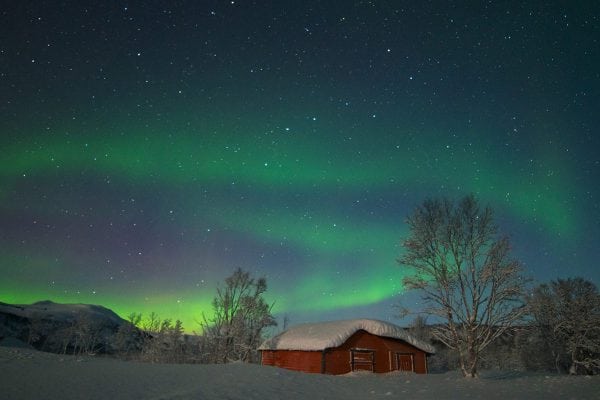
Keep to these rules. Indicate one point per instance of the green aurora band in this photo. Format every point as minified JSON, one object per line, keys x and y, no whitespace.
{"x":281,"y":162}
{"x":294,"y":160}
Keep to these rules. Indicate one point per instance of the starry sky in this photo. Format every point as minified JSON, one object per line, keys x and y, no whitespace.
{"x":150,"y":148}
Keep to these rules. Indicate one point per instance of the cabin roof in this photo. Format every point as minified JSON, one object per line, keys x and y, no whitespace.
{"x":325,"y":335}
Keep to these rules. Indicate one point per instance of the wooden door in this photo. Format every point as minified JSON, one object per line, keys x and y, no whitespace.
{"x":405,"y":362}
{"x":362,"y":360}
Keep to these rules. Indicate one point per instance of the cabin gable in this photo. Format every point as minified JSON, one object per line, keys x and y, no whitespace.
{"x":387,"y":355}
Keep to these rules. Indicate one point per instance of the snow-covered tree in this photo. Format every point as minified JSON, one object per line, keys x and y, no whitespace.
{"x":567,"y":316}
{"x":240,"y":314}
{"x":165,"y":341}
{"x":462,"y":268}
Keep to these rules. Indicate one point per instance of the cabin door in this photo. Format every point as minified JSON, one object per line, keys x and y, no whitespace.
{"x":362,"y":360}
{"x":405,"y":362}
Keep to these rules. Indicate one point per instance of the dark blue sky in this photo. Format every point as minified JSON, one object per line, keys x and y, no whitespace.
{"x":150,"y":148}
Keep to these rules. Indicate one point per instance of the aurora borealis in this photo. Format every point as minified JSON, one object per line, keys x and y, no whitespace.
{"x":148,"y":149}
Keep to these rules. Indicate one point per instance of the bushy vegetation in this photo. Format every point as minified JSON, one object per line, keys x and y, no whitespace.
{"x":561,"y":334}
{"x":232,"y":333}
{"x":566,"y":313}
{"x":478,"y":295}
{"x":240,"y":315}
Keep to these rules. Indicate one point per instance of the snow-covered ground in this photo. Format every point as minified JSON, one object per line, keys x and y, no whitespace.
{"x":29,"y":374}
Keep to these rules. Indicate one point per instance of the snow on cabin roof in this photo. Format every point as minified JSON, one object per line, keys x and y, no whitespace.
{"x":325,"y":335}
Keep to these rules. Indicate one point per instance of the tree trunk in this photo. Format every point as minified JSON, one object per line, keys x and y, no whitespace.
{"x":557,"y":361}
{"x":573,"y":367}
{"x":469,"y":358}
{"x":473,"y":361}
{"x":468,"y":364}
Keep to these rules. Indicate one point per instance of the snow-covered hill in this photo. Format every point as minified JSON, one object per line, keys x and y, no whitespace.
{"x":61,"y":312}
{"x":52,"y":326}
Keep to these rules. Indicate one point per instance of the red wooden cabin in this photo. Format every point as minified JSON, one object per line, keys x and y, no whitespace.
{"x":339,"y":347}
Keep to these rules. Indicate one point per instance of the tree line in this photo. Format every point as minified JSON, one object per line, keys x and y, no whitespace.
{"x":233,"y":332}
{"x":479,"y":295}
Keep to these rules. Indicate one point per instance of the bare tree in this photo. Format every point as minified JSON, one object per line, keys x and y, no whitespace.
{"x":129,"y":337}
{"x":567,"y":315}
{"x":164,"y":340}
{"x":240,"y":314}
{"x":286,"y":322}
{"x":81,"y":334}
{"x":170,"y":341}
{"x":463,"y":270}
{"x":150,"y":324}
{"x":86,"y":335}
{"x":419,"y":329}
{"x":38,"y":330}
{"x":135,"y":319}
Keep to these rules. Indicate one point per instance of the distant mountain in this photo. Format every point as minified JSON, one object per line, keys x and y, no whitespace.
{"x":67,"y":328}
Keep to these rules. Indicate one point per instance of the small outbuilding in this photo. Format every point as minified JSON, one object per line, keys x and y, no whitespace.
{"x":339,"y":347}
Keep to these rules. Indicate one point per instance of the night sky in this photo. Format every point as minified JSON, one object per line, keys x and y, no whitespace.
{"x":148,"y":149}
